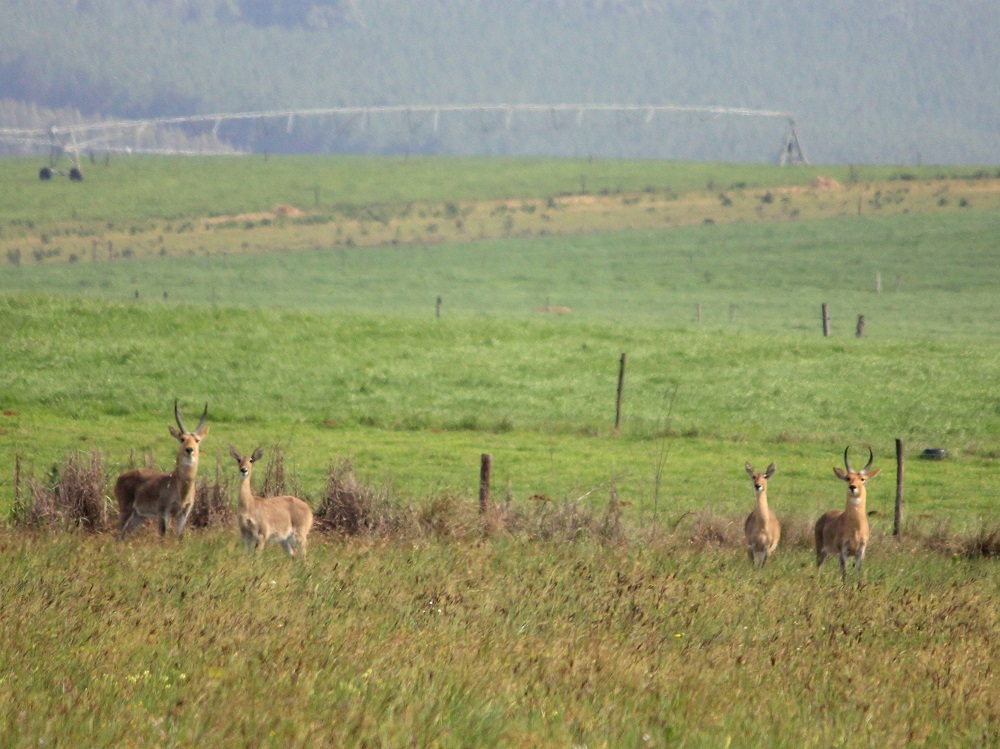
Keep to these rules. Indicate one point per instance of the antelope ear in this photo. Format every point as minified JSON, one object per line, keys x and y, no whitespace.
{"x":872,"y":474}
{"x":174,"y":432}
{"x":840,"y":474}
{"x":749,"y":469}
{"x":257,"y":454}
{"x":236,"y":455}
{"x":770,"y":471}
{"x":203,"y":432}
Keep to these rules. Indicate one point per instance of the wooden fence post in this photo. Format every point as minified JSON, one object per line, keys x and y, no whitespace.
{"x":485,"y":468}
{"x":897,"y":523}
{"x":17,"y":482}
{"x":859,"y":331}
{"x":621,"y":390}
{"x":826,"y":320}
{"x":437,"y":307}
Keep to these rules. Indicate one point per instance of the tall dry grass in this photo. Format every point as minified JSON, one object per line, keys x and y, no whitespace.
{"x":71,"y":496}
{"x":76,"y":496}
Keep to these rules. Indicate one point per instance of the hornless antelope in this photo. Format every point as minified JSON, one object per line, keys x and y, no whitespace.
{"x":147,"y":493}
{"x":761,"y":528}
{"x":285,"y":519}
{"x":845,"y":532}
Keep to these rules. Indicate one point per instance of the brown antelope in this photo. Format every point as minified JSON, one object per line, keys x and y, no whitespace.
{"x":145,"y":493}
{"x":761,"y":528}
{"x":845,"y":532}
{"x":286,"y":520}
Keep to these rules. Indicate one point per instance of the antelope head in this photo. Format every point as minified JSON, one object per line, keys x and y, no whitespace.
{"x":187,"y":454}
{"x":760,"y":479}
{"x":245,"y":462}
{"x":856,"y":479}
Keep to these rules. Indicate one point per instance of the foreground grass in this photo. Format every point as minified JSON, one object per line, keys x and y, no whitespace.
{"x":490,"y":642}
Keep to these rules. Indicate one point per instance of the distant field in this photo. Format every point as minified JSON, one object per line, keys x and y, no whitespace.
{"x":760,"y":277}
{"x":218,"y":208}
{"x":134,"y":188}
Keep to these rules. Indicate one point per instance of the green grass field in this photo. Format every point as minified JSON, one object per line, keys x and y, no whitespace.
{"x":658,"y":637}
{"x":142,"y":187}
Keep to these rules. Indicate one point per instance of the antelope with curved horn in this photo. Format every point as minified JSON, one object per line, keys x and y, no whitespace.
{"x":845,"y":532}
{"x":761,"y":528}
{"x":145,"y":493}
{"x":286,"y":519}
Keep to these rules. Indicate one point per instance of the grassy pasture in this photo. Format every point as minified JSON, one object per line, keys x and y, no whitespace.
{"x":457,"y":637}
{"x":776,"y":275}
{"x":218,"y":208}
{"x":141,"y":188}
{"x":418,"y":400}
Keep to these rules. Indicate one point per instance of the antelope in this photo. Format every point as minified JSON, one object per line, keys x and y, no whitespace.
{"x":286,"y":519}
{"x":761,"y":528}
{"x":845,"y":532}
{"x":145,"y":493}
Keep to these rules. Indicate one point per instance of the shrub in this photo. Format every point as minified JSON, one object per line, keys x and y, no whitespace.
{"x":213,"y":506}
{"x":984,"y":543}
{"x":352,"y":509}
{"x":75,"y":497}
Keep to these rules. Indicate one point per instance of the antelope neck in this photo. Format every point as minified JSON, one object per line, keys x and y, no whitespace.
{"x":762,"y":501}
{"x":246,"y":495}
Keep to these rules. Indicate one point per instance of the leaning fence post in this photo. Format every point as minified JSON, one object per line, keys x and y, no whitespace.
{"x":485,"y":467}
{"x":897,"y":523}
{"x":17,"y":482}
{"x":621,"y":389}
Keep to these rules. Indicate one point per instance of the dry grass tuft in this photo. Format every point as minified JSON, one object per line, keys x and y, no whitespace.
{"x":276,"y":481}
{"x":352,"y":509}
{"x":711,"y":531}
{"x":213,"y":506}
{"x":74,"y":497}
{"x":984,"y":543}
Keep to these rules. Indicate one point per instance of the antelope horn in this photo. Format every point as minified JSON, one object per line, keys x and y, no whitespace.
{"x":177,"y":415}
{"x":847,"y":463}
{"x":871,"y":457}
{"x":204,"y":415}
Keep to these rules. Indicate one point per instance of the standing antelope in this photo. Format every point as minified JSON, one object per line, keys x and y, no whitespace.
{"x":284,"y":519}
{"x":761,"y":528}
{"x":845,"y":532}
{"x":145,"y":493}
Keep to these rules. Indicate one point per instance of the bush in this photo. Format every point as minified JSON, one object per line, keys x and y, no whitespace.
{"x":213,"y":506}
{"x":352,"y":509}
{"x":985,"y":543}
{"x":75,"y":497}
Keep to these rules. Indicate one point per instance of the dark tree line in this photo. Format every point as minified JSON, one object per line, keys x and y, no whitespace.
{"x":902,"y":82}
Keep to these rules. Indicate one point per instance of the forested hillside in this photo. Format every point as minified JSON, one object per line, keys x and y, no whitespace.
{"x":907,"y":81}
